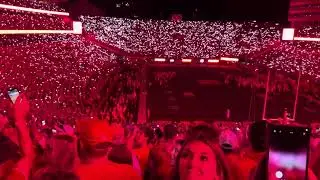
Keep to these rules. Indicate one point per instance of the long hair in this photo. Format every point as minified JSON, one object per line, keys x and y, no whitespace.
{"x":64,"y":155}
{"x":257,"y":136}
{"x":62,"y":161}
{"x":222,"y":167}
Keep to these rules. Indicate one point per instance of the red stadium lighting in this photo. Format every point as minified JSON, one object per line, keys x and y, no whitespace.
{"x":186,"y":60}
{"x":159,"y":59}
{"x":201,"y":60}
{"x":172,"y":60}
{"x":288,"y":34}
{"x":18,"y":8}
{"x":229,"y":59}
{"x":213,"y":60}
{"x":306,"y":39}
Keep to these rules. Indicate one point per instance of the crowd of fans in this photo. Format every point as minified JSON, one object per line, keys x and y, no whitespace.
{"x":197,"y":39}
{"x":70,"y":80}
{"x":75,"y":116}
{"x":31,"y":21}
{"x":43,"y":5}
{"x":96,"y":149}
{"x":251,"y":42}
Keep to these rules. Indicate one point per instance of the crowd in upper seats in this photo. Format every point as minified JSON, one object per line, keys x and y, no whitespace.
{"x":68,"y":80}
{"x":99,"y":141}
{"x":252,"y":42}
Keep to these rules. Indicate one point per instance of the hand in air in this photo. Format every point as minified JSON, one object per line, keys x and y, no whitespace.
{"x":21,"y":107}
{"x":68,"y":130}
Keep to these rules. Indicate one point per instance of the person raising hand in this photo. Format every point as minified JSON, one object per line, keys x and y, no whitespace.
{"x":21,"y":169}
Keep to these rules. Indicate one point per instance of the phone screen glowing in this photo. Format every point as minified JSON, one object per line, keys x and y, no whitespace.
{"x":13,"y":94}
{"x":288,"y":152}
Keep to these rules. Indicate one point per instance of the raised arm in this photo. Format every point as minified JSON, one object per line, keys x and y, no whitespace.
{"x":21,"y":109}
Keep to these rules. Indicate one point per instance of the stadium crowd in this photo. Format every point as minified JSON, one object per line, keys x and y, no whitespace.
{"x":97,"y":149}
{"x":75,"y":118}
{"x":76,"y":113}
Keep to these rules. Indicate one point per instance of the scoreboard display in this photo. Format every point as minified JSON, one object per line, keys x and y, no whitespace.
{"x":196,"y":93}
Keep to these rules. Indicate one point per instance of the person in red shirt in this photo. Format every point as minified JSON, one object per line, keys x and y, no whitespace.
{"x":251,"y":156}
{"x":96,"y":138}
{"x":141,"y":146}
{"x":161,"y":160}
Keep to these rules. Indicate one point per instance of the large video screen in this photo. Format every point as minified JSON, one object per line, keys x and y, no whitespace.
{"x":200,"y":93}
{"x":210,"y":93}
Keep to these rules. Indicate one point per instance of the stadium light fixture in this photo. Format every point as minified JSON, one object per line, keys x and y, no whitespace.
{"x":288,"y":34}
{"x":229,"y":59}
{"x":186,"y":60}
{"x":159,"y":59}
{"x":77,"y":27}
{"x":213,"y":60}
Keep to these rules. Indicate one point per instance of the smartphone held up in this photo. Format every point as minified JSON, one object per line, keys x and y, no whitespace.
{"x":288,"y":153}
{"x":13,"y":94}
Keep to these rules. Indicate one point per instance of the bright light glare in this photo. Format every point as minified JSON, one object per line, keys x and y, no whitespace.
{"x":201,"y":60}
{"x":77,"y":27}
{"x":229,"y":59}
{"x":213,"y":60}
{"x":17,"y":8}
{"x":279,"y":174}
{"x":186,"y":60}
{"x":171,"y":60}
{"x":37,"y":32}
{"x":287,"y":34}
{"x":159,"y":59}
